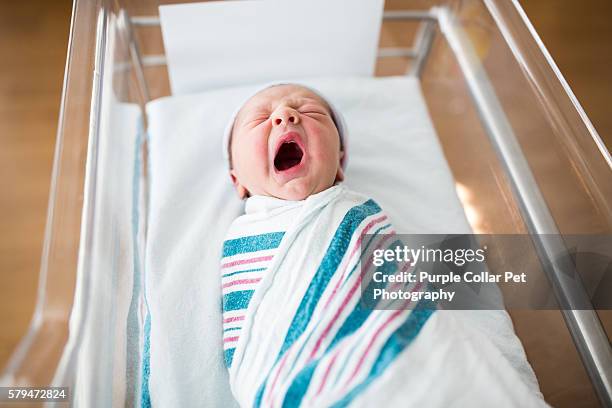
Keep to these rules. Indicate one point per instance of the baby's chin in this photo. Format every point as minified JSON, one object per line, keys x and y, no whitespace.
{"x":299,"y":189}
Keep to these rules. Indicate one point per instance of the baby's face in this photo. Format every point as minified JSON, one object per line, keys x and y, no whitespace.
{"x":285,"y":144}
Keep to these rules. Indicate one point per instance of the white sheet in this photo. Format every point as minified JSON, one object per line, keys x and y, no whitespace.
{"x":196,"y":34}
{"x":395,"y":159}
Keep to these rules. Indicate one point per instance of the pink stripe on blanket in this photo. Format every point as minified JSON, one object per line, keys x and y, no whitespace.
{"x":327,"y":371}
{"x":365,"y":231}
{"x":357,"y":246}
{"x":240,"y":282}
{"x":336,"y":315}
{"x":325,"y":332}
{"x":338,"y":350}
{"x":369,"y":262}
{"x":393,"y":316}
{"x":230,"y":339}
{"x":233,"y":319}
{"x":345,"y":301}
{"x":246,"y":261}
{"x":280,"y":368}
{"x":404,"y":269}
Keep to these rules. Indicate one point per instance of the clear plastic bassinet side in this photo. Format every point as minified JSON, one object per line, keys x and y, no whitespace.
{"x":526,"y":160}
{"x":91,"y":250}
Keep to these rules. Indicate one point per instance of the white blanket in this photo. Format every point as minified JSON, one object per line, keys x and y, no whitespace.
{"x":192,"y":205}
{"x":292,"y":271}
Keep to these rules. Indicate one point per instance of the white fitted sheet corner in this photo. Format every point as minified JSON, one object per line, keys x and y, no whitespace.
{"x":394,"y":157}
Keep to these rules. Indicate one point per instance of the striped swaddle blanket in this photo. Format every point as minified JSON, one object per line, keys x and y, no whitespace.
{"x":319,"y":343}
{"x":296,"y":333}
{"x":245,"y":261}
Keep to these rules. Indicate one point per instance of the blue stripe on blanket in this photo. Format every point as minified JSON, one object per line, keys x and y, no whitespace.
{"x":227,"y":275}
{"x":145,"y":396}
{"x":237,"y":300}
{"x":357,"y":317}
{"x":363,"y":309}
{"x":229,"y":356}
{"x":332,"y":258}
{"x":252,"y":243}
{"x":361,"y":312}
{"x":396,"y":343}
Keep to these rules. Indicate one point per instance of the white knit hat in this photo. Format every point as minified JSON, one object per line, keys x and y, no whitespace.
{"x":335,"y":114}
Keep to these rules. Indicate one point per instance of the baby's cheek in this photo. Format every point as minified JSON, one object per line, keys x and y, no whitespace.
{"x":252,"y":154}
{"x":258,"y":152}
{"x":328,"y":143}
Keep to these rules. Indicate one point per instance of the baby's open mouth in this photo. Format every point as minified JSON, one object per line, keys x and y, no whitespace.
{"x":288,"y":155}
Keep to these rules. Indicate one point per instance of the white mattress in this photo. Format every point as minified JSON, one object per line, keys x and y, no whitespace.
{"x":394,"y":157}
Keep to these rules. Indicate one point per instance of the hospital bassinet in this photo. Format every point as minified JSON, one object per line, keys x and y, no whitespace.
{"x":524,"y":156}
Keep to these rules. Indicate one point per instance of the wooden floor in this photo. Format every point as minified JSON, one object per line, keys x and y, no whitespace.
{"x":33,"y":41}
{"x":578,"y":35}
{"x":33,"y":44}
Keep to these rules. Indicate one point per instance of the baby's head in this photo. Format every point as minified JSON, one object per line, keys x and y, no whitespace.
{"x":285,"y":143}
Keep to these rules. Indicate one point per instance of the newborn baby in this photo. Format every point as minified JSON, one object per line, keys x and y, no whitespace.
{"x":285,"y":143}
{"x":294,"y":329}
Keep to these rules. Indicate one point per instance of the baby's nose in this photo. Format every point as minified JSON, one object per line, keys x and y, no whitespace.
{"x":285,"y":116}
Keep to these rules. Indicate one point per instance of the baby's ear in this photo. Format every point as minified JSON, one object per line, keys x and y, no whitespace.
{"x":240,"y":189}
{"x":339,"y":175}
{"x":340,"y":172}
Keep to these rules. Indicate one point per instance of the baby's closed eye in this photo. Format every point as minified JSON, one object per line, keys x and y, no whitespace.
{"x":257,"y":119}
{"x":312,"y":109}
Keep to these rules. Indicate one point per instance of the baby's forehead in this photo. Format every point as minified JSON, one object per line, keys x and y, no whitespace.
{"x":290,"y":93}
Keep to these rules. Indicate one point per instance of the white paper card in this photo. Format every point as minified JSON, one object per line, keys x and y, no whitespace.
{"x":225,"y":43}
